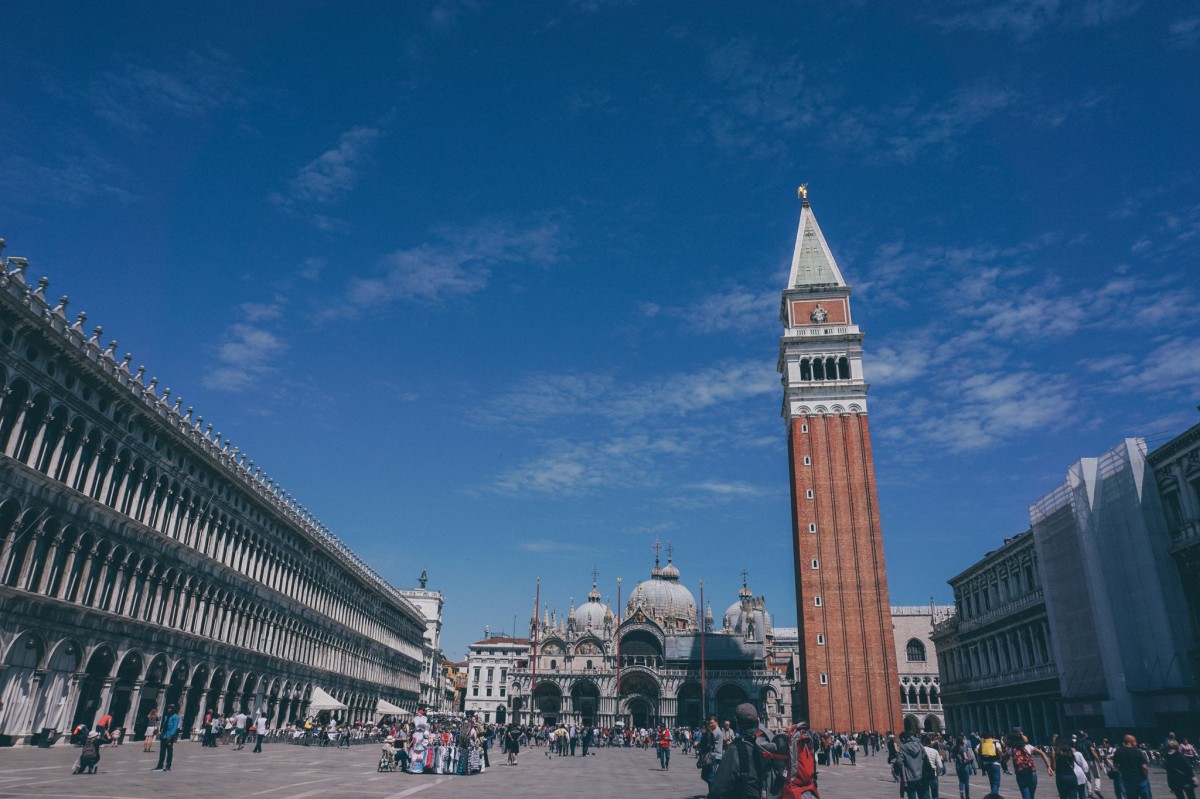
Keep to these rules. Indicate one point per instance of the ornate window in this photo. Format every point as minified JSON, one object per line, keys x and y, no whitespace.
{"x":915,"y":651}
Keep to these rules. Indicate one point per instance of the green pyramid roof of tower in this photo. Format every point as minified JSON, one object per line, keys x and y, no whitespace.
{"x":812,"y":262}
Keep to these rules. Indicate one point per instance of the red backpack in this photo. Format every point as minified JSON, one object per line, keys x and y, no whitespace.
{"x":802,"y":765}
{"x":1022,"y":760}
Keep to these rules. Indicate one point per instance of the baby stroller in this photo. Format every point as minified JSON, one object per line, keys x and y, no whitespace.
{"x":89,"y":755}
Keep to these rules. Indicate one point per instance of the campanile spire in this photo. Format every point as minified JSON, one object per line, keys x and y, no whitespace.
{"x":843,"y":611}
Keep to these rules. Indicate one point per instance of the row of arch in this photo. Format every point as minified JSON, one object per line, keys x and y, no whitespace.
{"x":827,"y":368}
{"x":58,"y":684}
{"x":920,"y":696}
{"x":44,"y":555}
{"x":99,"y":461}
{"x":641,"y":702}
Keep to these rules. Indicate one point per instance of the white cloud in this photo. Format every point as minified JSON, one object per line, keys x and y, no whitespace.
{"x":1026,"y":18}
{"x":1184,"y":32}
{"x":331,"y":175}
{"x":247,"y":355}
{"x":132,"y":96}
{"x":261,"y":311}
{"x":572,"y":467}
{"x":461,"y":262}
{"x":739,"y":310}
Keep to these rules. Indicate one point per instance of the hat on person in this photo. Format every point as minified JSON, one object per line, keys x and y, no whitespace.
{"x":93,"y":734}
{"x":389,"y":739}
{"x":746,"y":714}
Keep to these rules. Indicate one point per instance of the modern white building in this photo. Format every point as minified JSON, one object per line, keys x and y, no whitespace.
{"x":489,"y":663}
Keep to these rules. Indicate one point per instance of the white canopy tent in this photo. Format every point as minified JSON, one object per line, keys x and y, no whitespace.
{"x":322,"y":701}
{"x":386,"y":708}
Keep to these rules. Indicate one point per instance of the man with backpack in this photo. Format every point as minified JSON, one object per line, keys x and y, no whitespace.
{"x":988,"y":754}
{"x":742,"y":773}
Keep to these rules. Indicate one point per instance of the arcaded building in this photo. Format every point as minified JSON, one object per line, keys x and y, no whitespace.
{"x":995,"y":652}
{"x":652,"y":662}
{"x":1176,"y":467}
{"x":146,"y":561}
{"x":917,"y":661}
{"x":848,"y":672}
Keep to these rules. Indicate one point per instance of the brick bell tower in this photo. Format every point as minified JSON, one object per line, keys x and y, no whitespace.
{"x":848,"y":678}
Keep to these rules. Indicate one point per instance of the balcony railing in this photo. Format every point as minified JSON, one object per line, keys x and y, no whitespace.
{"x":1185,"y":536}
{"x":1022,"y":602}
{"x":1044,"y":671}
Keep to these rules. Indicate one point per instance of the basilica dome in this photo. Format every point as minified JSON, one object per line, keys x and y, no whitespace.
{"x":664,"y":599}
{"x":748,"y":616}
{"x":591,"y":614}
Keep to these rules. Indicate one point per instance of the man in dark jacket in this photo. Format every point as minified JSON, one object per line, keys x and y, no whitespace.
{"x":914,"y":775}
{"x":743,"y":774}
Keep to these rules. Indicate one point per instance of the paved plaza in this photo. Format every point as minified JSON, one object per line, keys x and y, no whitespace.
{"x":284,"y":771}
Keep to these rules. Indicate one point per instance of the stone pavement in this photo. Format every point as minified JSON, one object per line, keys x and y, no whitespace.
{"x":284,"y":771}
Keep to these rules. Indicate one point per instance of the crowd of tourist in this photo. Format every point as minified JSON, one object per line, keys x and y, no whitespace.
{"x":739,"y":757}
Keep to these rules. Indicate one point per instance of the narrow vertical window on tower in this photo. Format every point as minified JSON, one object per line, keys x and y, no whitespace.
{"x":823,"y":373}
{"x":820,"y":639}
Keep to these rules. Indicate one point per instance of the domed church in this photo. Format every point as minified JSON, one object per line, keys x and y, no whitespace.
{"x":655,"y":663}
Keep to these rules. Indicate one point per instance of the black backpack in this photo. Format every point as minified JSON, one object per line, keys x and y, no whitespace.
{"x":749,"y":781}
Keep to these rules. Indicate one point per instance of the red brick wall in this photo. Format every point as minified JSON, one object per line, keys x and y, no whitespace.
{"x":859,"y":655}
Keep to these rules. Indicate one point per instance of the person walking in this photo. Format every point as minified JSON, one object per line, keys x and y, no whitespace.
{"x":151,"y":730}
{"x":512,"y":743}
{"x":962,"y":755}
{"x":1023,"y":765}
{"x":240,"y":723}
{"x":1134,"y":769}
{"x":664,"y":747}
{"x":988,"y":753}
{"x":711,"y":750}
{"x":916,"y":772}
{"x":1180,"y":776}
{"x":166,"y":738}
{"x":260,"y":730}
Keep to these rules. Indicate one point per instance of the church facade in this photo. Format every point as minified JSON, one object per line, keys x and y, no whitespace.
{"x":848,"y":670}
{"x":146,"y":562}
{"x":654,"y":661}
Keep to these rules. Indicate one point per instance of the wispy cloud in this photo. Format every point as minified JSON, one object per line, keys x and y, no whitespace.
{"x":637,"y":433}
{"x":248,"y":354}
{"x":550,"y":547}
{"x":988,"y":408}
{"x":739,"y":309}
{"x":330,"y":176}
{"x":757,"y":95}
{"x":1027,"y":18}
{"x":133,"y":96}
{"x":458,"y":262}
{"x":69,"y":178}
{"x":679,"y":394}
{"x":1184,"y":32}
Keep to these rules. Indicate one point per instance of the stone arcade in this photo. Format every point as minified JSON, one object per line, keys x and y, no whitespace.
{"x":145,"y":561}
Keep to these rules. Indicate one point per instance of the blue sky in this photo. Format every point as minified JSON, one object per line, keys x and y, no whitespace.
{"x":494,"y":287}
